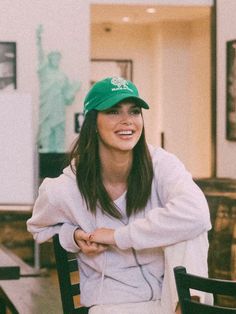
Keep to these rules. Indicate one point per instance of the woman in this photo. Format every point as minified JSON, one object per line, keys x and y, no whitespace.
{"x":130,"y":211}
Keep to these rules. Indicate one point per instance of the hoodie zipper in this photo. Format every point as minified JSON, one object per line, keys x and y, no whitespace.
{"x":142,"y":272}
{"x":137,"y":262}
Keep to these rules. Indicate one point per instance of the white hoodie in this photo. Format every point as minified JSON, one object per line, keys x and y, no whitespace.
{"x":133,"y":270}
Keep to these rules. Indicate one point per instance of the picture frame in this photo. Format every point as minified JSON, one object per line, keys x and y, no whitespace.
{"x":78,"y":121}
{"x":101,"y":68}
{"x":8,"y":66}
{"x":231,"y":90}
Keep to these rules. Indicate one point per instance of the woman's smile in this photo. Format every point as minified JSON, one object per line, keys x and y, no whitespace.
{"x":125,"y":134}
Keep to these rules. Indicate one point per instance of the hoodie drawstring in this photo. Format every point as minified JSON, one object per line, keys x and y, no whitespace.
{"x":102,"y":280}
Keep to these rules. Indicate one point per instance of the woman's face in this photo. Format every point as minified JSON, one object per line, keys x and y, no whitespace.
{"x":120,"y":126}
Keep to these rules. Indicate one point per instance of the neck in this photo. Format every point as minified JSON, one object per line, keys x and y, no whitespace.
{"x":115,"y":166}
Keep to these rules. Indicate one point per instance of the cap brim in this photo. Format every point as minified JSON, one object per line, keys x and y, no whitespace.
{"x":112,"y":101}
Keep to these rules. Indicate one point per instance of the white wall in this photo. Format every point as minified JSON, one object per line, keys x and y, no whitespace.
{"x":129,"y":42}
{"x":200,"y":112}
{"x":186,"y":103}
{"x":156,"y":2}
{"x":66,"y":28}
{"x":226,"y":30}
{"x":17,"y":158}
{"x":176,"y":87}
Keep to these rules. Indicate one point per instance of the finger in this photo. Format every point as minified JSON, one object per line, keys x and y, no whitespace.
{"x":101,"y":248}
{"x":82,"y":245}
{"x":94,"y":246}
{"x":91,"y":236}
{"x":84,"y":235}
{"x":87,"y":250}
{"x":94,"y":249}
{"x":88,"y":246}
{"x":81,"y":235}
{"x":78,"y":234}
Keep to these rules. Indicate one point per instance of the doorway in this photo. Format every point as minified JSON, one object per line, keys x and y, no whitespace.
{"x":169,"y":47}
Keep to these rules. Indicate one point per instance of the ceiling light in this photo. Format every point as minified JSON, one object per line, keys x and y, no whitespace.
{"x":126,"y":19}
{"x":151,"y":10}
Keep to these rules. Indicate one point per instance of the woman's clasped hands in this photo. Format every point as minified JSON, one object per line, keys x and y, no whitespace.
{"x":96,"y":242}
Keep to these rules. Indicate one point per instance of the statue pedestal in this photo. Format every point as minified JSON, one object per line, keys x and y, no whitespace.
{"x":52,"y":164}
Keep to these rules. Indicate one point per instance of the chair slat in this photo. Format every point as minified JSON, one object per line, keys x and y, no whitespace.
{"x":199,"y":308}
{"x":73,"y":265}
{"x":211,"y":285}
{"x":186,"y":281}
{"x":66,"y":265}
{"x":75,"y":289}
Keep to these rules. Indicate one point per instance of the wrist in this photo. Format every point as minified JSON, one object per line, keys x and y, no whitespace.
{"x":76,"y":236}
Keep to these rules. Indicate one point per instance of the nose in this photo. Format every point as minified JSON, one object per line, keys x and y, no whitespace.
{"x":126,"y":122}
{"x":126,"y":119}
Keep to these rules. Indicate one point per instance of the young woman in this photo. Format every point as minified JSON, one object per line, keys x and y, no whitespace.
{"x":132,"y":212}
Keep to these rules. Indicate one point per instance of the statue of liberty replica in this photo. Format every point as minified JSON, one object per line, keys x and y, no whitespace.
{"x":56,"y":92}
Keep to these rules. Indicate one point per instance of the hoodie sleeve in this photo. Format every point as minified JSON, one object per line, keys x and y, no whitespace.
{"x":49,"y":218}
{"x":184,"y":213}
{"x":191,"y":254}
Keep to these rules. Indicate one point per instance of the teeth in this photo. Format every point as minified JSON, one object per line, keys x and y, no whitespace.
{"x":125,"y":132}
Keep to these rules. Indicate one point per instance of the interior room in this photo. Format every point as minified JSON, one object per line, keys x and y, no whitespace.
{"x":172,"y":42}
{"x":181,"y":57}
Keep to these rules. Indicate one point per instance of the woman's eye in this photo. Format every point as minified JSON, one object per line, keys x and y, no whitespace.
{"x":112,"y":112}
{"x":136,"y":111}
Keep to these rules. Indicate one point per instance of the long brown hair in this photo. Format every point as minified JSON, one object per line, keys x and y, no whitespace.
{"x":85,"y":158}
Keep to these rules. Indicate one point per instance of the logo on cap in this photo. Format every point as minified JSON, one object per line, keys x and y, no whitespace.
{"x":120,"y":84}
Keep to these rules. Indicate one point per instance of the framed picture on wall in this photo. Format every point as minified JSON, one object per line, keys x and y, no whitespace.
{"x":231,"y":90}
{"x":101,"y":68}
{"x":78,"y":121}
{"x":7,"y":65}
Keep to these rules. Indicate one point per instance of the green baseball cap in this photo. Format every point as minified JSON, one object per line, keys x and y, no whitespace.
{"x":110,"y":91}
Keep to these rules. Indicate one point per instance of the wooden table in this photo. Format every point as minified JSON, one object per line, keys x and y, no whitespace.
{"x":27,"y":291}
{"x":13,"y":267}
{"x":31,"y":295}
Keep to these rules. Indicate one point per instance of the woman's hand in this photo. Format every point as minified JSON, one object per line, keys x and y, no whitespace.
{"x":89,"y":248}
{"x":103,"y":236}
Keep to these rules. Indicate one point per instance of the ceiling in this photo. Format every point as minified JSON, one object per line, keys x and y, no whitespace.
{"x":136,"y":14}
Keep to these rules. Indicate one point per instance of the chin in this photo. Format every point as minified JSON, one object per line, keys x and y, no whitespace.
{"x":125,"y":148}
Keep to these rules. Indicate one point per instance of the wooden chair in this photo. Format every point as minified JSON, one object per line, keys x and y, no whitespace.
{"x":67,"y":269}
{"x":185,"y":281}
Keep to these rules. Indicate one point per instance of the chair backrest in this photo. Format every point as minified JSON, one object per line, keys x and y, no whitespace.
{"x":67,"y":270}
{"x":185,"y":282}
